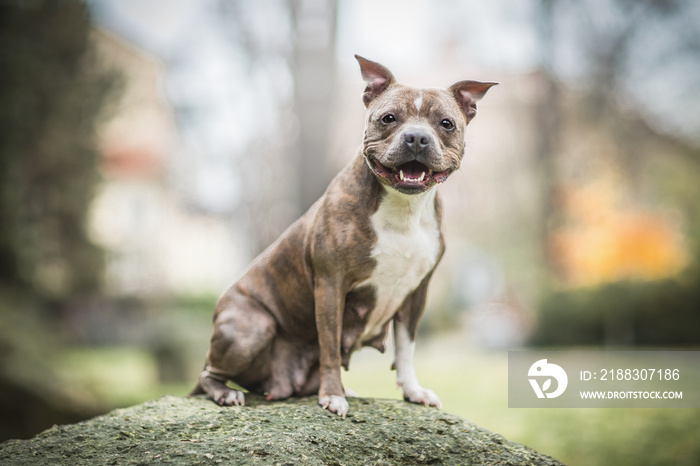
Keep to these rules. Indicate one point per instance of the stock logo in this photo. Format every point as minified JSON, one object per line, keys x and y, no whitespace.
{"x":544,"y":371}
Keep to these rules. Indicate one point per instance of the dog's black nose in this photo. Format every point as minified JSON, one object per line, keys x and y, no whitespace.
{"x":416,"y":140}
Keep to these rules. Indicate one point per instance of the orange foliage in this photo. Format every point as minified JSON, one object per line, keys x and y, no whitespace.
{"x":604,"y":242}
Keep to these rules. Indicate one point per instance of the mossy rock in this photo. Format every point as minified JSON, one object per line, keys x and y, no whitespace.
{"x":175,"y":430}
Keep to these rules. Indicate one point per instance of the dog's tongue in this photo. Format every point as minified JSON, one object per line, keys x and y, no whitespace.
{"x":413,"y":171}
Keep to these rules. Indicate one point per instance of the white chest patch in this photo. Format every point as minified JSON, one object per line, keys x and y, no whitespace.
{"x":408,"y":243}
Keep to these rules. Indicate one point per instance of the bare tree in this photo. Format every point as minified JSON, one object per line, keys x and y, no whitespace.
{"x":285,"y":168}
{"x":314,"y":85}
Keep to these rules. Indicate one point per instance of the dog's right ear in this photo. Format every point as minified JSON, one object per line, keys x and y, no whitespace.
{"x":377,"y":77}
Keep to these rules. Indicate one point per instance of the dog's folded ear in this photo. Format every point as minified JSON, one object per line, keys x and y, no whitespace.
{"x":377,"y":77}
{"x":468,"y":93}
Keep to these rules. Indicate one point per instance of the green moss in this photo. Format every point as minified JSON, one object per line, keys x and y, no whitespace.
{"x":175,"y":430}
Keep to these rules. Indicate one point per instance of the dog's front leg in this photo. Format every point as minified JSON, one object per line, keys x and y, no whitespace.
{"x":329,"y":320}
{"x":405,"y":326}
{"x":405,"y":372}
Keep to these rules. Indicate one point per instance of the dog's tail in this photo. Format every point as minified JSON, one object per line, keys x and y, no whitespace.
{"x":198,"y":390}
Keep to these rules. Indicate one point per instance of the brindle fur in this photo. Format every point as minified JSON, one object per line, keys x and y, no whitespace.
{"x":286,"y":327}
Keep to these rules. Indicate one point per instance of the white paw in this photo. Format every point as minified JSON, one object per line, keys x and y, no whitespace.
{"x":420,"y":395}
{"x":335,"y":404}
{"x":232,"y":397}
{"x":350,"y":393}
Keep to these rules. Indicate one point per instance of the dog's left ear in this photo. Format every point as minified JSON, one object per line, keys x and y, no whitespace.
{"x":468,"y":93}
{"x":377,"y":77}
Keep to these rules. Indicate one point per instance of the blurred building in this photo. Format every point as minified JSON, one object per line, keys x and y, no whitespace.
{"x":155,"y":244}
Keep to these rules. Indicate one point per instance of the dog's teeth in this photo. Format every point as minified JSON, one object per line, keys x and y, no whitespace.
{"x":409,"y":179}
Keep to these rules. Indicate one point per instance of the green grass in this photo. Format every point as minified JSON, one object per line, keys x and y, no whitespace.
{"x":118,"y":376}
{"x":471,"y":383}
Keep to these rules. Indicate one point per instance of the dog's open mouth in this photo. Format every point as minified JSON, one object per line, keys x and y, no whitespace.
{"x":411,"y":176}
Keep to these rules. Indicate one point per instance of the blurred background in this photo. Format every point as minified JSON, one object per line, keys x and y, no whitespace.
{"x":150,"y":149}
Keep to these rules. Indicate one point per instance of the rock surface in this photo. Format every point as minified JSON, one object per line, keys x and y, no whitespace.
{"x":174,"y":430}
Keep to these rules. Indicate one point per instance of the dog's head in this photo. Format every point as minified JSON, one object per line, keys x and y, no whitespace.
{"x":414,"y":138}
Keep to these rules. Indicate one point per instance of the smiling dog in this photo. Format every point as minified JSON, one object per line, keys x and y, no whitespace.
{"x":358,"y":259}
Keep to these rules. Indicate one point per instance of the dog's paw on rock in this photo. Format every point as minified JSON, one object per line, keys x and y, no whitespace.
{"x":335,"y":404}
{"x":231,"y":398}
{"x":423,"y":396}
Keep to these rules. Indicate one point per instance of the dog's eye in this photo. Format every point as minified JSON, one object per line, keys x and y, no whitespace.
{"x":388,"y":118}
{"x":447,"y":124}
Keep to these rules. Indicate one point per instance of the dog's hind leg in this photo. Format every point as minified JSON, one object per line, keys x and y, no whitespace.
{"x":215,"y":386}
{"x":240,"y":346}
